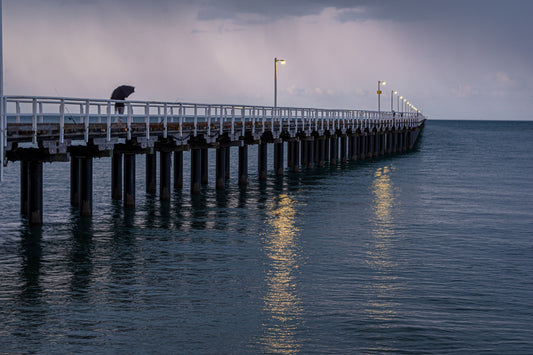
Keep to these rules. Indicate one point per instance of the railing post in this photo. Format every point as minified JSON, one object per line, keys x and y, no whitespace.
{"x":34,"y":121}
{"x":208,"y":114}
{"x":232,"y":121}
{"x":129,"y":119}
{"x":87,"y":121}
{"x":263,"y":120}
{"x":195,"y":120}
{"x":99,"y":113}
{"x":147,"y":120}
{"x":62,"y":121}
{"x":17,"y":108}
{"x":180,"y":113}
{"x":165,"y":121}
{"x":243,"y":121}
{"x":41,"y":117}
{"x":108,"y":124}
{"x":253,"y":120}
{"x":221,"y":120}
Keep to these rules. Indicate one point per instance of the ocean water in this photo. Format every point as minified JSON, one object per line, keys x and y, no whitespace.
{"x":425,"y":252}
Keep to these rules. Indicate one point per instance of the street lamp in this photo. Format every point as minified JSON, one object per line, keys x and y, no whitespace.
{"x":282,"y":61}
{"x":399,"y":98}
{"x":393,"y":92}
{"x":379,"y":93}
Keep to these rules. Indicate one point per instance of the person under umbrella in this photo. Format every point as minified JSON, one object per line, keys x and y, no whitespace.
{"x":121,"y":93}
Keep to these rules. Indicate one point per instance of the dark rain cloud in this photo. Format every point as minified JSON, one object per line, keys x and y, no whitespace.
{"x":350,"y":10}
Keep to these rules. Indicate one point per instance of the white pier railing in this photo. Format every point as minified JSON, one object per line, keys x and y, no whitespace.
{"x":200,"y":117}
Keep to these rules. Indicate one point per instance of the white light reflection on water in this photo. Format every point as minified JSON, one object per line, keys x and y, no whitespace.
{"x":282,"y":305}
{"x":381,"y":306}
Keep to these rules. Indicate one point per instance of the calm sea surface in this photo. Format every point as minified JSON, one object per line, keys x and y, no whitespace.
{"x":430,"y":251}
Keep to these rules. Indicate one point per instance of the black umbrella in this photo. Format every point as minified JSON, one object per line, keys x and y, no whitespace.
{"x":122,"y":92}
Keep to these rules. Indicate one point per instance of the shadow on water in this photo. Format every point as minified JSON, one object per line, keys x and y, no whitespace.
{"x":199,"y":211}
{"x":30,"y":311}
{"x":31,"y":253}
{"x":81,"y":255}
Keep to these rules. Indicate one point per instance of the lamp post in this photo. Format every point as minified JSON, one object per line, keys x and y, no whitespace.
{"x":399,"y":98}
{"x":379,"y":94}
{"x":282,"y":61}
{"x":393,"y":92}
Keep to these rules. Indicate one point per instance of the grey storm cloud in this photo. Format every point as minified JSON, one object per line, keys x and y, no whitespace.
{"x":498,"y":11}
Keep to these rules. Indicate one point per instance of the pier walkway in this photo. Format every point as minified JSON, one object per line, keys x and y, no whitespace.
{"x":47,"y":129}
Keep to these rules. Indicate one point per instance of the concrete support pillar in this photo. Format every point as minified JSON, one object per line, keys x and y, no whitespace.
{"x":151,"y":173}
{"x":305,"y":155}
{"x":178,"y":170}
{"x":333,"y":150}
{"x":86,"y":187}
{"x":262,"y":160}
{"x":398,"y":142}
{"x":221,"y":168}
{"x":351,"y":139}
{"x":290,"y":155}
{"x":129,"y":180}
{"x":370,"y":142}
{"x":321,"y":151}
{"x":394,"y":141}
{"x":361,"y":146}
{"x":24,"y":187}
{"x":278,"y":158}
{"x":204,"y":170}
{"x":296,"y":156}
{"x":355,"y":150}
{"x":243,"y":165}
{"x":325,"y":143}
{"x":165,"y":162}
{"x":404,"y":137}
{"x":74,"y":181}
{"x":343,"y":149}
{"x":35,"y":192}
{"x":310,"y":153}
{"x":357,"y":146}
{"x":316,"y":150}
{"x":227,"y":162}
{"x":195,"y":170}
{"x":116,"y":176}
{"x":375,"y":145}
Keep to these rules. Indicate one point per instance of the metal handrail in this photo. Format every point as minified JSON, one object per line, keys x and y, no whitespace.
{"x":37,"y":108}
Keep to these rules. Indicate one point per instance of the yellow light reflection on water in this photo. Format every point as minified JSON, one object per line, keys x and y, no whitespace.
{"x":282,"y":304}
{"x":384,"y":282}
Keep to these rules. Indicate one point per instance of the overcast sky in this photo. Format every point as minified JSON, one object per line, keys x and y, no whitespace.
{"x":453,"y":59}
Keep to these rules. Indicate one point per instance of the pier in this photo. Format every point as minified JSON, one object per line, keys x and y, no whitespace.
{"x":35,"y":130}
